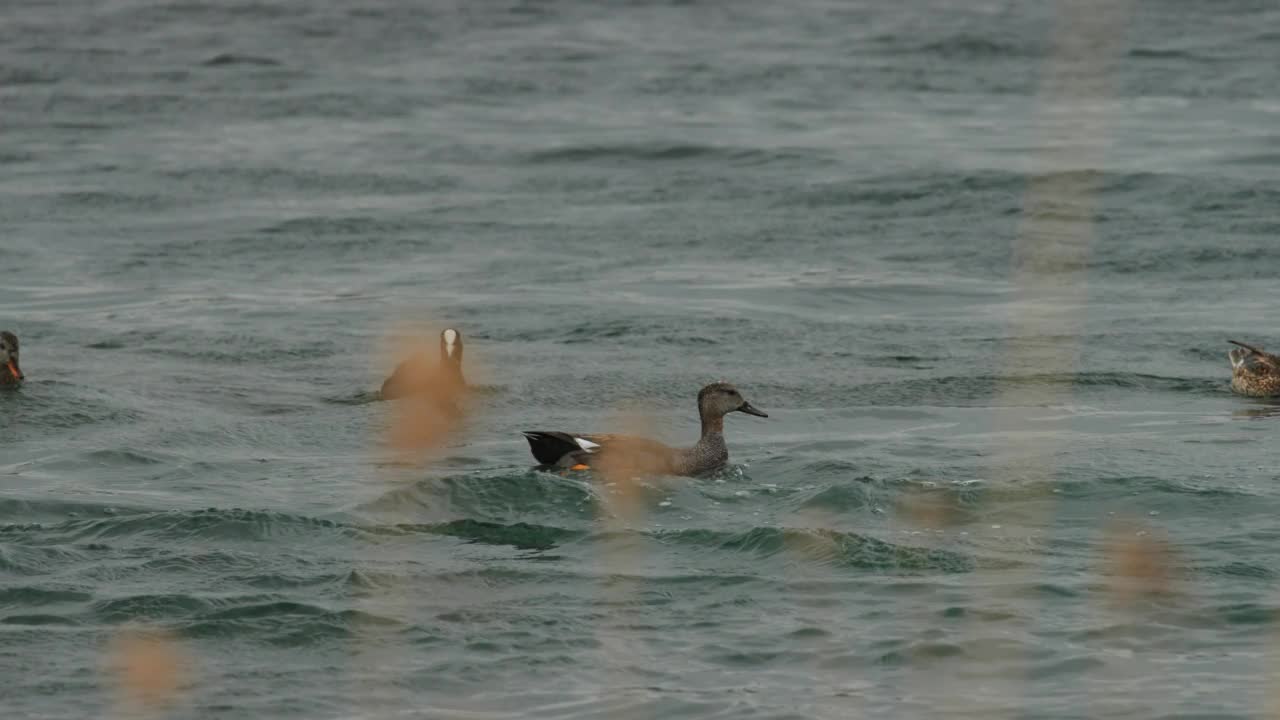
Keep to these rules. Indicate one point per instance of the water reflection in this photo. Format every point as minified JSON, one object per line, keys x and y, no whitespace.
{"x":1260,"y":410}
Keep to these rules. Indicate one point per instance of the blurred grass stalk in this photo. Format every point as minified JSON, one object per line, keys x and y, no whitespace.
{"x":625,"y":549}
{"x":416,"y":432}
{"x":1050,"y":261}
{"x":149,"y":671}
{"x":1049,"y":275}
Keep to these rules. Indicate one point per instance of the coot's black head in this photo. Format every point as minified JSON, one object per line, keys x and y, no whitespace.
{"x":451,"y":348}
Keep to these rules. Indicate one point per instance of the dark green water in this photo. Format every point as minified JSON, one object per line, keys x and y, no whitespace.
{"x":978,"y":261}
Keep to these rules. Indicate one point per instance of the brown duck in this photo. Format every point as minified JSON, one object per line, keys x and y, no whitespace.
{"x":10,"y":370}
{"x":643,"y":456}
{"x":1254,"y":372}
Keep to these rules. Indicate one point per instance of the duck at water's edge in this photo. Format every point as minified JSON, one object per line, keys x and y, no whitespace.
{"x":416,"y":376}
{"x":1254,"y":372}
{"x":643,"y":456}
{"x":10,"y":370}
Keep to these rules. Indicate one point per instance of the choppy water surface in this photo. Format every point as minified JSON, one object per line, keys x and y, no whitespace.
{"x":980,"y":272}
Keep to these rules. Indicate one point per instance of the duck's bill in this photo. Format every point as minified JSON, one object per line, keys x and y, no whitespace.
{"x":750,"y":409}
{"x":17,"y":371}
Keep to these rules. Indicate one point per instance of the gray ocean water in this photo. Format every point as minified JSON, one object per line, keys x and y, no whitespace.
{"x":979,"y":261}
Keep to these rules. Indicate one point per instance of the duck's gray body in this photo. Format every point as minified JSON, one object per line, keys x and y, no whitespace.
{"x":643,"y":456}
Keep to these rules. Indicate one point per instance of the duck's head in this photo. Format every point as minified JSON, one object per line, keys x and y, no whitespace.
{"x":9,"y":354}
{"x":1239,"y":355}
{"x":451,"y":347}
{"x":721,"y":398}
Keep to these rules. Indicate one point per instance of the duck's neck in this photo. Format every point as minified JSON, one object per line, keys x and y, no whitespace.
{"x":712,"y":425}
{"x":710,"y":452}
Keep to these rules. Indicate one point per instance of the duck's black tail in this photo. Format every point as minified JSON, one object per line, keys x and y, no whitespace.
{"x":550,"y":447}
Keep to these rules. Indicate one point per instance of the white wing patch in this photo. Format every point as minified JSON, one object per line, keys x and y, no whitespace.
{"x":586,"y":444}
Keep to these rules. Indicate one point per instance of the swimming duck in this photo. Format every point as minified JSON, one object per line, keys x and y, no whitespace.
{"x":10,"y":370}
{"x":645,"y":456}
{"x":1254,"y":372}
{"x":416,"y":375}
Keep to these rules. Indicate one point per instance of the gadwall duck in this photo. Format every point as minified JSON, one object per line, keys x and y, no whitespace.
{"x":645,"y":456}
{"x":1254,"y":372}
{"x":416,"y":376}
{"x":10,"y":370}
